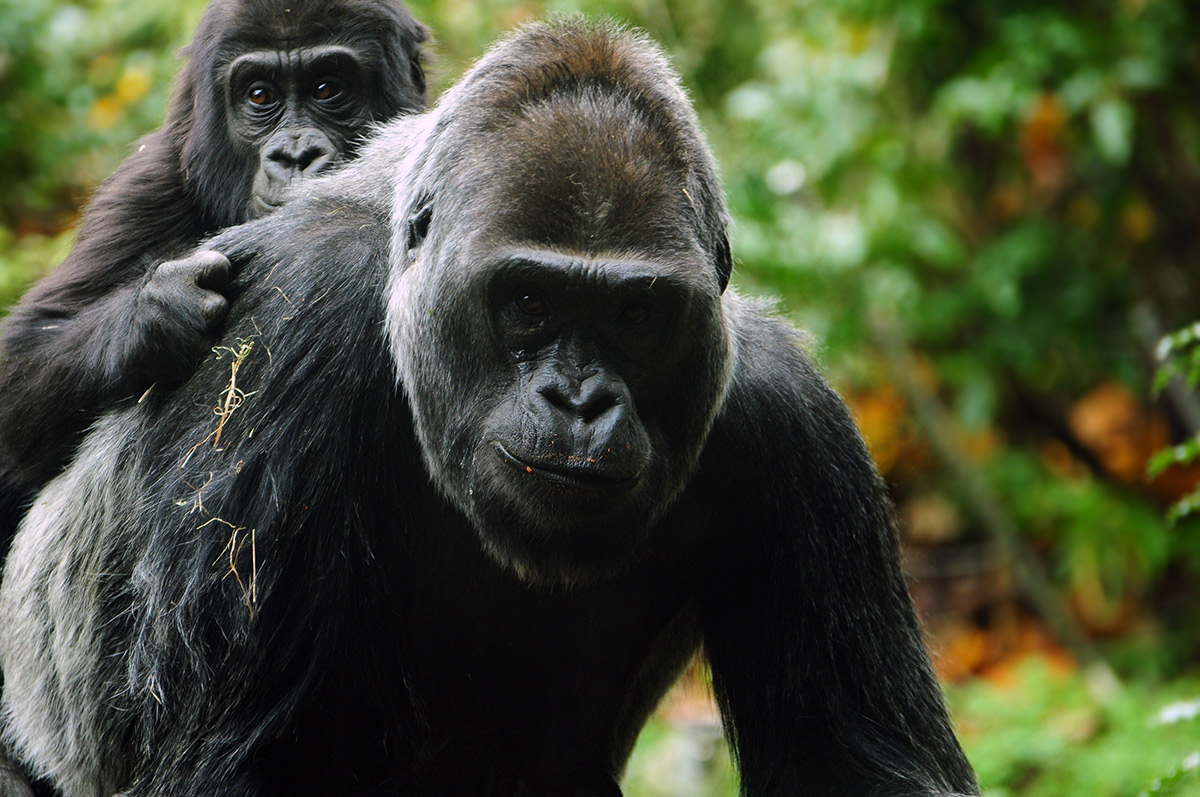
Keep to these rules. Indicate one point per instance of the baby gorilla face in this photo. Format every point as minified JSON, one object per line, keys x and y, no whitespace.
{"x":300,"y":110}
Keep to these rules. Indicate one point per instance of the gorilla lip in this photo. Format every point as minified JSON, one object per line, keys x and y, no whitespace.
{"x":587,"y":476}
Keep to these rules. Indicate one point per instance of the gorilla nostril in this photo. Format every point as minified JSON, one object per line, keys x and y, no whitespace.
{"x":297,"y":153}
{"x":554,"y":396}
{"x":598,"y":395}
{"x":313,"y":160}
{"x":596,"y":406}
{"x":309,"y":159}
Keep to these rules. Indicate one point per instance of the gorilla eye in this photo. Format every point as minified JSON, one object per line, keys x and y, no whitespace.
{"x":530,"y":302}
{"x":262,"y":96}
{"x":327,"y":90}
{"x":635,"y":314}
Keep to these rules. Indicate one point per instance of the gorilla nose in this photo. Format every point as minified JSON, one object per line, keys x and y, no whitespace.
{"x":298,"y":154}
{"x":589,"y":402}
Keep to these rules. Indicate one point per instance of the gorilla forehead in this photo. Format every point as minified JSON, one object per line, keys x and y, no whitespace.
{"x":636,"y":172}
{"x":243,"y":25}
{"x":619,"y":186}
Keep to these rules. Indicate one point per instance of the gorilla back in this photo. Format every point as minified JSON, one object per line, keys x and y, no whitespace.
{"x":494,"y":453}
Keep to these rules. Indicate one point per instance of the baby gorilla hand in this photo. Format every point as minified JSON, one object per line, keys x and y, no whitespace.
{"x":180,"y":309}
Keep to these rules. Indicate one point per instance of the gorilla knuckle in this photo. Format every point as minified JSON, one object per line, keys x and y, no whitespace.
{"x":172,"y":270}
{"x":214,"y":270}
{"x":214,"y":308}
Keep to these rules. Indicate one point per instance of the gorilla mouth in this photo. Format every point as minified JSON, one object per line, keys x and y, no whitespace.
{"x":568,"y":475}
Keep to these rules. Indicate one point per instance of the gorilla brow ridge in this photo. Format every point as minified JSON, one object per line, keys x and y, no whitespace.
{"x":254,"y":25}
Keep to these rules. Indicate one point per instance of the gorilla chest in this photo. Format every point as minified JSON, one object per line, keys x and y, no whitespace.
{"x":545,"y":685}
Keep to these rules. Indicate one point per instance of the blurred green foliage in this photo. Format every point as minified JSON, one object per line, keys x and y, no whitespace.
{"x":1008,"y":179}
{"x":674,"y":759}
{"x":1044,"y":735}
{"x":1179,"y":358}
{"x":78,"y":83}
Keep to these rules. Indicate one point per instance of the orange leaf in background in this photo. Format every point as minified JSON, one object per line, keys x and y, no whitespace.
{"x":1032,"y":640}
{"x":106,"y":112}
{"x":134,"y":83}
{"x":1118,"y":430}
{"x":1043,"y":143}
{"x":882,"y":416}
{"x":1176,"y":482}
{"x":1058,"y":459}
{"x":931,"y":519}
{"x":1124,"y":434}
{"x":980,"y":445}
{"x":963,"y":652}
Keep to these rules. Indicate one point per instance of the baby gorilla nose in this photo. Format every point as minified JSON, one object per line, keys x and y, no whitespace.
{"x":293,"y":154}
{"x":290,"y":157}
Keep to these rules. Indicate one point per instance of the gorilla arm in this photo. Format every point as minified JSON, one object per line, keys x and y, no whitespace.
{"x":87,"y":335}
{"x":818,"y":660}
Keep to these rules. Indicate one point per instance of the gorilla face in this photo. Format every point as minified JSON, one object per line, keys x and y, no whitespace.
{"x":276,"y":92}
{"x":565,"y":303}
{"x":574,"y":458}
{"x":297,"y":112}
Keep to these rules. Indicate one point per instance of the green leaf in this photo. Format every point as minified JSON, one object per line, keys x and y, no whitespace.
{"x":1112,"y":129}
{"x":1185,"y":507}
{"x":1181,"y":454}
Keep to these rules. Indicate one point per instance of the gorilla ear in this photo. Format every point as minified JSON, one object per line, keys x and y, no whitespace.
{"x":724,"y":261}
{"x":418,"y":226}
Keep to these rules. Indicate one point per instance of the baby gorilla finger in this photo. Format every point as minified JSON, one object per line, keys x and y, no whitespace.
{"x":213,"y":269}
{"x":214,"y":308}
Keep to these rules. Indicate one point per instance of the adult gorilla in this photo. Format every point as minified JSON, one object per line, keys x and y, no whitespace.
{"x":274,"y":92}
{"x":480,"y":577}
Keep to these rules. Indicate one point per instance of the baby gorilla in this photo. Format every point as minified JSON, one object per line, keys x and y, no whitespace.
{"x":274,"y":92}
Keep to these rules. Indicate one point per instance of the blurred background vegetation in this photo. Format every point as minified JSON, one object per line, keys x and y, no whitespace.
{"x":988,"y":214}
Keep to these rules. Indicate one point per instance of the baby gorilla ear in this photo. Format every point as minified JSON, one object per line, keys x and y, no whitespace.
{"x":418,"y":226}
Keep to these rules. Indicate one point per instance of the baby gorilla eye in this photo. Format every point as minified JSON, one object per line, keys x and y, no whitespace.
{"x":262,"y":96}
{"x":530,"y":302}
{"x":327,"y":90}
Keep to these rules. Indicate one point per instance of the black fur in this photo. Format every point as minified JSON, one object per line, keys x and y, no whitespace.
{"x":502,"y":455}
